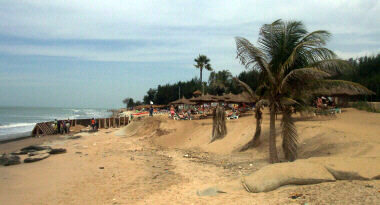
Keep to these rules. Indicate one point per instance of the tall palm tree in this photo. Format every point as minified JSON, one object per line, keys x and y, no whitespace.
{"x":294,"y":63}
{"x":202,"y":62}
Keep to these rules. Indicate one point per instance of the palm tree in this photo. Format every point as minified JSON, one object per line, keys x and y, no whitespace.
{"x":202,"y":62}
{"x":293,"y":63}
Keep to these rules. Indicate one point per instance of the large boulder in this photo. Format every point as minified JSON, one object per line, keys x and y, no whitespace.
{"x":348,"y":168}
{"x":276,"y":175}
{"x":36,"y":158}
{"x":7,"y":160}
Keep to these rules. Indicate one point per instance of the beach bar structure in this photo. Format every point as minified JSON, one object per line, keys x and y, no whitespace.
{"x":46,"y":128}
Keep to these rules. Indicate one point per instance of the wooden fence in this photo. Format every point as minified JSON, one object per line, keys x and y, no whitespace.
{"x":46,"y":128}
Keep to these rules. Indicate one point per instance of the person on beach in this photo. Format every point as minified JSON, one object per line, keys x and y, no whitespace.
{"x":172,"y":111}
{"x":55,"y":126}
{"x":93,"y":124}
{"x":68,"y":125}
{"x":58,"y":126}
{"x":151,"y":111}
{"x":63,"y":127}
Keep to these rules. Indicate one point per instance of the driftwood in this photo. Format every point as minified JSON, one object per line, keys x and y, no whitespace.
{"x":219,"y":128}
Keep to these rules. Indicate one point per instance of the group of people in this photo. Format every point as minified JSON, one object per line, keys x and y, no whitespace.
{"x":323,"y":102}
{"x":62,"y":126}
{"x":181,"y":114}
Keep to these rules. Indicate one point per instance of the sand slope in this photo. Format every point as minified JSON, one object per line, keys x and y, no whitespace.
{"x":157,"y":160}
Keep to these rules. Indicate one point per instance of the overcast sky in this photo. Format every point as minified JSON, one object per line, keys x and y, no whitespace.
{"x":90,"y":53}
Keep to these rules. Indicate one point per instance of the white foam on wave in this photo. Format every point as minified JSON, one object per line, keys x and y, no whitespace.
{"x":15,"y":125}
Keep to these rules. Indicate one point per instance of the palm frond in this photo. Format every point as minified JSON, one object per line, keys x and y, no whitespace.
{"x":320,"y":35}
{"x":309,"y":50}
{"x":303,"y":74}
{"x":288,"y":101}
{"x":247,"y":88}
{"x":252,"y":57}
{"x":289,"y":135}
{"x":208,"y":67}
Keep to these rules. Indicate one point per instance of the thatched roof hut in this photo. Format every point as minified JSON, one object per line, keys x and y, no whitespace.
{"x":351,"y":89}
{"x":205,"y":98}
{"x":139,"y":107}
{"x":197,"y":93}
{"x":181,"y":101}
{"x":243,"y":97}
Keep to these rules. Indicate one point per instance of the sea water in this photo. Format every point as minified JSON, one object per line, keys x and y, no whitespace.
{"x":19,"y":121}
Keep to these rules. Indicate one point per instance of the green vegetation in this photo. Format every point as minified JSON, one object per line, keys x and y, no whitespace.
{"x":363,"y":105}
{"x":366,"y":71}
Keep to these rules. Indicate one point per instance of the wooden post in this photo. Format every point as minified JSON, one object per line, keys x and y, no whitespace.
{"x":113,"y":122}
{"x":125,"y":117}
{"x":109,"y":122}
{"x":119,"y":121}
{"x":104,"y":123}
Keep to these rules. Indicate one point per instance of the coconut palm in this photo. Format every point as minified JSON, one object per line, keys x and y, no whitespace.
{"x":202,"y":62}
{"x":293,"y":63}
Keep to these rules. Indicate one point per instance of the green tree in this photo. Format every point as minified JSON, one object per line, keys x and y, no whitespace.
{"x":128,"y":102}
{"x":293,"y":63}
{"x":150,"y":96}
{"x":202,"y":62}
{"x":220,"y":82}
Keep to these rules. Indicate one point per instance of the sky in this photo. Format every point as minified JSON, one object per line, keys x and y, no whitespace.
{"x":90,"y":53}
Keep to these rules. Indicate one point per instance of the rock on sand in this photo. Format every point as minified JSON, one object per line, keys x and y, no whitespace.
{"x":6,"y":159}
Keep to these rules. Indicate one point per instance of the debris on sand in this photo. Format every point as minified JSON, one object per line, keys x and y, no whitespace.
{"x":212,"y":191}
{"x":9,"y":159}
{"x":57,"y":151}
{"x":36,"y":158}
{"x":295,"y":195}
{"x":69,"y":137}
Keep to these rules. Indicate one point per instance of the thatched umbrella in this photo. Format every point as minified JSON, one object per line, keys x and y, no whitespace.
{"x":243,"y":97}
{"x":181,"y":101}
{"x":204,"y":99}
{"x":197,"y":93}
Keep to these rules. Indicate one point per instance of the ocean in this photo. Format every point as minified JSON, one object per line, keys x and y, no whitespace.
{"x":19,"y":121}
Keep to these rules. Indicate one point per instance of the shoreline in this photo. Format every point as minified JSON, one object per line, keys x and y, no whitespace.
{"x":156,"y":159}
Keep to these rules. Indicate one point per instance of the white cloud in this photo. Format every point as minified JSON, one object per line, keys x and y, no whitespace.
{"x":198,"y":26}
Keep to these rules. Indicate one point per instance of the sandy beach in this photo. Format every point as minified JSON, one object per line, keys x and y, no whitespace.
{"x":155,"y":160}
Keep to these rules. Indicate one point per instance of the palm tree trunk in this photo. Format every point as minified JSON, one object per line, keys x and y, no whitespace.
{"x":219,"y":128}
{"x":255,"y":141}
{"x":273,"y":158}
